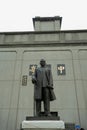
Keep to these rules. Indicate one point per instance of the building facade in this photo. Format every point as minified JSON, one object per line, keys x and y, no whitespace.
{"x":65,"y":52}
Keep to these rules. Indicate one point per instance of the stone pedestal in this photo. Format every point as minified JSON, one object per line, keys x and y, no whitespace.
{"x":43,"y":124}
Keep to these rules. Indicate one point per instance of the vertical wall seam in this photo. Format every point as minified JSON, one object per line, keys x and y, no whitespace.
{"x":76,"y":90}
{"x":19,"y":90}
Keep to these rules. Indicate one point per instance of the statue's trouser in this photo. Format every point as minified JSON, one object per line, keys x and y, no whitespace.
{"x":46,"y":100}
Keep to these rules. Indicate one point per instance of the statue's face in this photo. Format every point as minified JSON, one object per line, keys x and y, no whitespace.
{"x":42,"y":63}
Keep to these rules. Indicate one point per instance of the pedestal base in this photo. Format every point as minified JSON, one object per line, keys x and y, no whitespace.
{"x":43,"y":124}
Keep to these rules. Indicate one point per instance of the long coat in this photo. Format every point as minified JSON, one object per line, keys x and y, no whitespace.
{"x":43,"y":81}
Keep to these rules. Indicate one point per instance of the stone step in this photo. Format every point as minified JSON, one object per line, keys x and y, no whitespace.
{"x":42,"y":118}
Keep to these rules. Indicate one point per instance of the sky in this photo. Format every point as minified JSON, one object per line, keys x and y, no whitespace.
{"x":16,"y":15}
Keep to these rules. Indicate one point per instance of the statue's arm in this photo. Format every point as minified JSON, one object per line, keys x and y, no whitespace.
{"x":34,"y":77}
{"x":50,"y":82}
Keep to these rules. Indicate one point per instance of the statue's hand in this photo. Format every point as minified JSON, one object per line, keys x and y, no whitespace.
{"x":34,"y":81}
{"x":49,"y":86}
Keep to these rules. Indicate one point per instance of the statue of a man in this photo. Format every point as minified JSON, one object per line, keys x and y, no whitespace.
{"x":43,"y":88}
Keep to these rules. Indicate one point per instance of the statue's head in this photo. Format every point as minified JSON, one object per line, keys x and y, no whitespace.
{"x":42,"y":62}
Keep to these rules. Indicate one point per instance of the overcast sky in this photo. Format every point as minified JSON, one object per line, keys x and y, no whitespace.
{"x":16,"y":15}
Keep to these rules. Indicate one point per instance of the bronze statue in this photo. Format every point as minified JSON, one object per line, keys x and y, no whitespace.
{"x":43,"y":88}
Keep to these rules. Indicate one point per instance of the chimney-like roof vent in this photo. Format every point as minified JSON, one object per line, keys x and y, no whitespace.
{"x":47,"y":23}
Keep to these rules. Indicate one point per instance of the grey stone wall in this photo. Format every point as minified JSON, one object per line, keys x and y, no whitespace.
{"x":20,"y":50}
{"x":52,"y":37}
